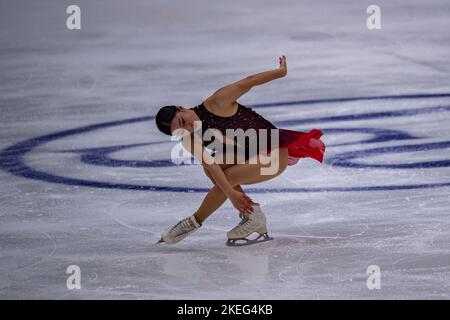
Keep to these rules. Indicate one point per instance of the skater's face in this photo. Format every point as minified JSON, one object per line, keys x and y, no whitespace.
{"x":183,"y":119}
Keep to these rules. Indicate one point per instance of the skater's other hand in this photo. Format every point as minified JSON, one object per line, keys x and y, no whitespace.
{"x":283,"y":65}
{"x":242,"y":202}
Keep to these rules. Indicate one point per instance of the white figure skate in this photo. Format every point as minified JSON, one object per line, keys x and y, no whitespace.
{"x":180,"y":231}
{"x":250,"y":223}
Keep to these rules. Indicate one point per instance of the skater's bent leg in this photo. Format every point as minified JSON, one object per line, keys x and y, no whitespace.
{"x":224,"y":167}
{"x":237,"y":175}
{"x":213,"y":200}
{"x":251,"y":173}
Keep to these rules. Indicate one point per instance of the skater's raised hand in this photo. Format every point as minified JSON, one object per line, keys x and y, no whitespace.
{"x":283,"y":65}
{"x":227,"y":95}
{"x":242,"y":202}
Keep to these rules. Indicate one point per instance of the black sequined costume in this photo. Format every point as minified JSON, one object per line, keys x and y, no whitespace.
{"x":300,"y":144}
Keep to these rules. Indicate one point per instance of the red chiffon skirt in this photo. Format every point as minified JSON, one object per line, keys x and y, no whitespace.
{"x":302,"y":145}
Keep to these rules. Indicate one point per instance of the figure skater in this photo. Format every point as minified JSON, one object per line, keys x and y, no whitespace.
{"x":220,"y":112}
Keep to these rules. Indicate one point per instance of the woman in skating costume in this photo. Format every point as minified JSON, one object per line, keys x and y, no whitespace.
{"x":263,"y":154}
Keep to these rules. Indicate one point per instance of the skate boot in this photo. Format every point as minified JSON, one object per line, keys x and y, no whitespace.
{"x":180,"y":231}
{"x":249,"y":224}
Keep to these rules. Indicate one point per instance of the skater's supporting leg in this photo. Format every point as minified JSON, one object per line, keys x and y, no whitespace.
{"x":223,"y":167}
{"x":214,"y":199}
{"x":238,"y":174}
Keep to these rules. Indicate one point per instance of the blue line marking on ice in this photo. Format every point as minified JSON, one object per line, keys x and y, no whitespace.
{"x":12,"y":157}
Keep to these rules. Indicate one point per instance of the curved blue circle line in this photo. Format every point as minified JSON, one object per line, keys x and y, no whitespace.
{"x":101,"y":156}
{"x":343,"y":159}
{"x":367,"y":116}
{"x":11,"y":158}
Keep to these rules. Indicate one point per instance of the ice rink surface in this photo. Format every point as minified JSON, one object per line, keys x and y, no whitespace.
{"x":86,"y":177}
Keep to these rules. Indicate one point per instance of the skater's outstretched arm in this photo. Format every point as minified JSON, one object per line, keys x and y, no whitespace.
{"x":227,"y":95}
{"x":195,"y":146}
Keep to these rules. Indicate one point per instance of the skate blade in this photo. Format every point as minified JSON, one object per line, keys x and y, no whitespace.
{"x":234,"y":242}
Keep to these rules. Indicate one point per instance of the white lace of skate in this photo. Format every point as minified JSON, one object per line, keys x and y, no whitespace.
{"x":245,"y":220}
{"x":183,"y":226}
